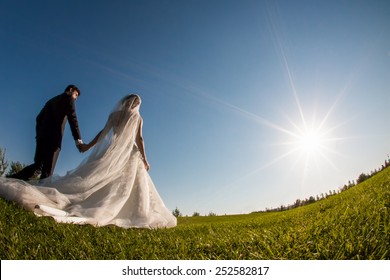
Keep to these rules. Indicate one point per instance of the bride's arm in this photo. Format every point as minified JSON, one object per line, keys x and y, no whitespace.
{"x":139,"y":140}
{"x":93,"y":142}
{"x":86,"y":147}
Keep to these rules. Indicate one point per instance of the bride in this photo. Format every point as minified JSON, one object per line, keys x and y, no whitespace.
{"x":111,"y":186}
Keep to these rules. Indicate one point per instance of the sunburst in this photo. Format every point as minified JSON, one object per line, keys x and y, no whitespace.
{"x":311,"y":142}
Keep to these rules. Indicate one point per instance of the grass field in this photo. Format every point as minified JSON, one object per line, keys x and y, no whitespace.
{"x":354,"y":224}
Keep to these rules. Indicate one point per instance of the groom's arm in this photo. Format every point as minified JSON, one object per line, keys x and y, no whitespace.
{"x":72,"y":119}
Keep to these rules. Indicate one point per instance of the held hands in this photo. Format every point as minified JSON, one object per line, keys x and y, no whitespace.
{"x":81,"y":146}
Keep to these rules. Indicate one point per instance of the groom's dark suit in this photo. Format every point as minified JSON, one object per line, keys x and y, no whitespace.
{"x":50,"y":122}
{"x":50,"y":125}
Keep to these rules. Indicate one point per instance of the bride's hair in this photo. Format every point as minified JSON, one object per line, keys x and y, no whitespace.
{"x":128,"y":101}
{"x":132,"y":97}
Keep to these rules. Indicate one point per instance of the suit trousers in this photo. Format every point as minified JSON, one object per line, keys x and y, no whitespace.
{"x":45,"y":160}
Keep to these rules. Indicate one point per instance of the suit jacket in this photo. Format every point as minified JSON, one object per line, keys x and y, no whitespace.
{"x":50,"y":122}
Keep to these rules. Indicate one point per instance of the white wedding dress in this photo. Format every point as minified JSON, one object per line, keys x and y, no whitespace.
{"x":110,"y":187}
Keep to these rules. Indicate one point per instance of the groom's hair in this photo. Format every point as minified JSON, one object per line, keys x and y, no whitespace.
{"x":72,"y":88}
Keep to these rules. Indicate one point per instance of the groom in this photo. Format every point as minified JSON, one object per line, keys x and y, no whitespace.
{"x":50,"y":125}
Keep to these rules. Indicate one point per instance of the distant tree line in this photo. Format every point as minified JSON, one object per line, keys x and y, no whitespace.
{"x":298,"y":203}
{"x":177,"y":213}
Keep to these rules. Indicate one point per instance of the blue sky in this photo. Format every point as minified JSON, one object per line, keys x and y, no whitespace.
{"x":247,"y":105}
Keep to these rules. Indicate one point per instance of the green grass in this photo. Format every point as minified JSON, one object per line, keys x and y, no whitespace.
{"x":354,"y":224}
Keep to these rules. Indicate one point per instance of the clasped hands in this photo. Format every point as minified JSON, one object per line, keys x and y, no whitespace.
{"x":82,"y":147}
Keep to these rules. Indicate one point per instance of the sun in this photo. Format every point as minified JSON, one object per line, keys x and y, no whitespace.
{"x":311,"y":141}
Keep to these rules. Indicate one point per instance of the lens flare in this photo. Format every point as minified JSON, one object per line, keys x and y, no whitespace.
{"x":310,"y":141}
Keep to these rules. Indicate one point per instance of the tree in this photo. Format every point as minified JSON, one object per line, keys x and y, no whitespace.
{"x":362,"y":178}
{"x":15,"y":168}
{"x":3,"y":162}
{"x":176,"y":212}
{"x":211,"y":214}
{"x":196,"y":214}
